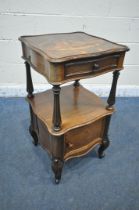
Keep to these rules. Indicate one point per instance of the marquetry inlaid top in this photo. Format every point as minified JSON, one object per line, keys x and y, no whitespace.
{"x":68,"y":46}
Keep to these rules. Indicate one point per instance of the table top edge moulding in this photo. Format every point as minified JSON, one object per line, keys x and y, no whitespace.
{"x":55,"y":58}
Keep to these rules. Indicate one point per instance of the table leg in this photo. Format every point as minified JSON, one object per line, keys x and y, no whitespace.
{"x":57,"y":149}
{"x":111,"y":98}
{"x":56,"y":108}
{"x":57,"y":166}
{"x":30,"y":88}
{"x":105,"y":141}
{"x":31,"y":128}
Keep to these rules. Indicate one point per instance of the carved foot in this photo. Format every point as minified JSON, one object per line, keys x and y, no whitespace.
{"x":34,"y":136}
{"x":102,"y":147}
{"x":57,"y":166}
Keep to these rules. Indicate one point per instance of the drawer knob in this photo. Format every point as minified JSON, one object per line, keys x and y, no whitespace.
{"x":69,"y":145}
{"x":95,"y":66}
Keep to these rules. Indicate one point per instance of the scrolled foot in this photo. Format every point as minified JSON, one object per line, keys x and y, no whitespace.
{"x":101,"y":153}
{"x":102,"y":147}
{"x":57,"y":166}
{"x":34,"y":136}
{"x":57,"y":181}
{"x":35,"y":140}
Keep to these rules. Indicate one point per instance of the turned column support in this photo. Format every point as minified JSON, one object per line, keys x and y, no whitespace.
{"x":56,"y":108}
{"x":111,"y":98}
{"x":29,"y":83}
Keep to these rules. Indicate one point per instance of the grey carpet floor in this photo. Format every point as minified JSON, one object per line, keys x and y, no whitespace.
{"x":88,"y":183}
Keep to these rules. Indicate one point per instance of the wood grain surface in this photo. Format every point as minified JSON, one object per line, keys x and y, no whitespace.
{"x":78,"y":107}
{"x":66,"y":46}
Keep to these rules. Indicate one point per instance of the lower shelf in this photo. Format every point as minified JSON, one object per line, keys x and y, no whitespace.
{"x":79,"y":107}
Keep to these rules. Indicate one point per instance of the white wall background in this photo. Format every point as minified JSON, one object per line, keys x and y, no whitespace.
{"x":114,"y":20}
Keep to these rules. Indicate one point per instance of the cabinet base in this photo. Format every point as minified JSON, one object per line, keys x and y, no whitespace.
{"x":74,"y":143}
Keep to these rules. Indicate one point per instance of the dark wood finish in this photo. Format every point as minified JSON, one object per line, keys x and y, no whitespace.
{"x":105,"y":141}
{"x":57,"y":166}
{"x":32,"y":127}
{"x":56,"y":110}
{"x":76,"y":83}
{"x":70,"y":121}
{"x":57,"y":145}
{"x":87,"y":55}
{"x":111,"y":98}
{"x":29,"y":88}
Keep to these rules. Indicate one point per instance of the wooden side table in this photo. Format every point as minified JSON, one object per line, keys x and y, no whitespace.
{"x":70,"y":121}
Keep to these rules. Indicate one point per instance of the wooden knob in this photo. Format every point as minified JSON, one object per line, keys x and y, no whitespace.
{"x":69,"y":145}
{"x":95,"y":66}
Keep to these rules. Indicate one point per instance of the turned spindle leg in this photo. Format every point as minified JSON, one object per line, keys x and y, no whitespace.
{"x":76,"y":83}
{"x":105,"y":141}
{"x":56,"y":109}
{"x":30,"y":88}
{"x":111,"y":98}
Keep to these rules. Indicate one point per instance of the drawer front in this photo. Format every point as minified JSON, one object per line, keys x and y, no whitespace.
{"x":91,"y":67}
{"x":80,"y":140}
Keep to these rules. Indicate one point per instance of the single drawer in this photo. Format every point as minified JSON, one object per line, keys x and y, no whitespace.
{"x":80,"y":140}
{"x":90,"y":67}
